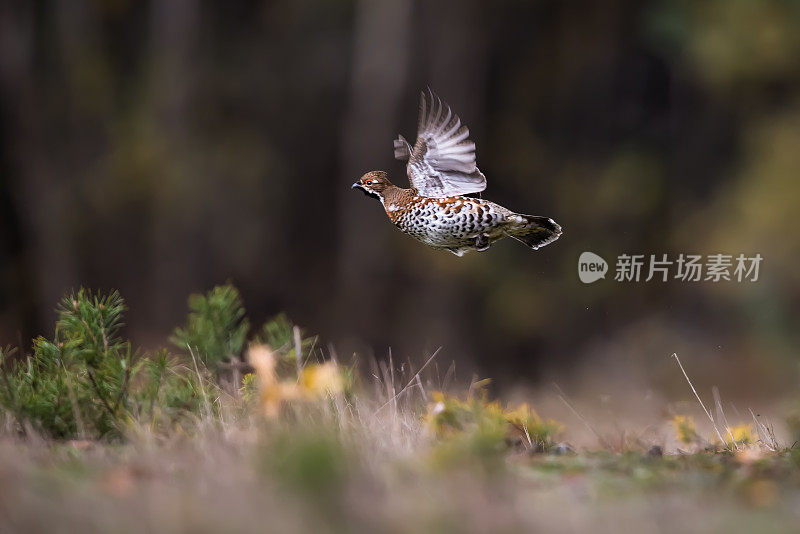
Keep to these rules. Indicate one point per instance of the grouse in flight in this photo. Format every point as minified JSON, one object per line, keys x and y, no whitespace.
{"x":441,"y":168}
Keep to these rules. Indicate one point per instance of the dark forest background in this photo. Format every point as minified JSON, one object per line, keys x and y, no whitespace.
{"x":164,"y":147}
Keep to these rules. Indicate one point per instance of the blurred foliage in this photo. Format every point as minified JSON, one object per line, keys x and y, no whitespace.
{"x":216,"y":326}
{"x":793,"y":423}
{"x":79,"y":382}
{"x":278,"y":333}
{"x":736,"y":46}
{"x":468,"y":429}
{"x":734,"y":438}
{"x":217,"y":331}
{"x":312,"y":463}
{"x":87,"y":382}
{"x":169,"y":392}
{"x":307,"y":382}
{"x":483,"y":429}
{"x":249,"y":388}
{"x":742,"y":434}
{"x":685,"y":429}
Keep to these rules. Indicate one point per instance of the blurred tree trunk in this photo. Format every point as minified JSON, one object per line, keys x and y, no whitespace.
{"x":381,"y":49}
{"x":16,"y":285}
{"x":35,"y":44}
{"x":175,"y":261}
{"x":455,"y":54}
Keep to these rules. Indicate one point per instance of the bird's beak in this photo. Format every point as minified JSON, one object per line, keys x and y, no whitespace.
{"x":356,"y":186}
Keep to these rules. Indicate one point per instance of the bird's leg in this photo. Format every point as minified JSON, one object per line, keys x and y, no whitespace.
{"x":481,"y":242}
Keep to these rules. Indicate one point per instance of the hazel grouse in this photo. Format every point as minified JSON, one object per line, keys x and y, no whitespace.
{"x":441,"y":168}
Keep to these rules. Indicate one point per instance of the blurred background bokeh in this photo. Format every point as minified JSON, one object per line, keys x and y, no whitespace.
{"x":163,"y":147}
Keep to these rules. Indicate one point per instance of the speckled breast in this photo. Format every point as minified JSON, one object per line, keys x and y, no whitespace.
{"x":451,"y":221}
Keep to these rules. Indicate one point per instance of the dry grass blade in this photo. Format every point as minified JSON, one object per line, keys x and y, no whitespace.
{"x":200,"y":381}
{"x":563,"y":397}
{"x":298,"y":350}
{"x":410,"y":382}
{"x":710,"y":417}
{"x":721,"y":415}
{"x":766,"y":434}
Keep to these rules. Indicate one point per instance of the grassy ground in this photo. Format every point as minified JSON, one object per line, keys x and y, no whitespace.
{"x":348,"y":465}
{"x":95,"y":436}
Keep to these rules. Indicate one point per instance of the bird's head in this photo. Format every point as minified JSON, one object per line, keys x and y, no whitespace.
{"x":373,"y":184}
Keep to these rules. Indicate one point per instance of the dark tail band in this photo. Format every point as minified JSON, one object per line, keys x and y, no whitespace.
{"x":539,"y":231}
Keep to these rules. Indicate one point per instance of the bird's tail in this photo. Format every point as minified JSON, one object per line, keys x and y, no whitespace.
{"x":535,"y":231}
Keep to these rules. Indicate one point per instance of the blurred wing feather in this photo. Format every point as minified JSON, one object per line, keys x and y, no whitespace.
{"x":442,"y":161}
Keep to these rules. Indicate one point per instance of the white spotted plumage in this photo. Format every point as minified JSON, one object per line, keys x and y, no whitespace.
{"x":452,"y":222}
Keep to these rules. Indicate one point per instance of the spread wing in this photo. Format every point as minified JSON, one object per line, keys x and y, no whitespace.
{"x":442,"y":161}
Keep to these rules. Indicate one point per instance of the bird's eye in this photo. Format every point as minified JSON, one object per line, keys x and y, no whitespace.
{"x":369,"y":182}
